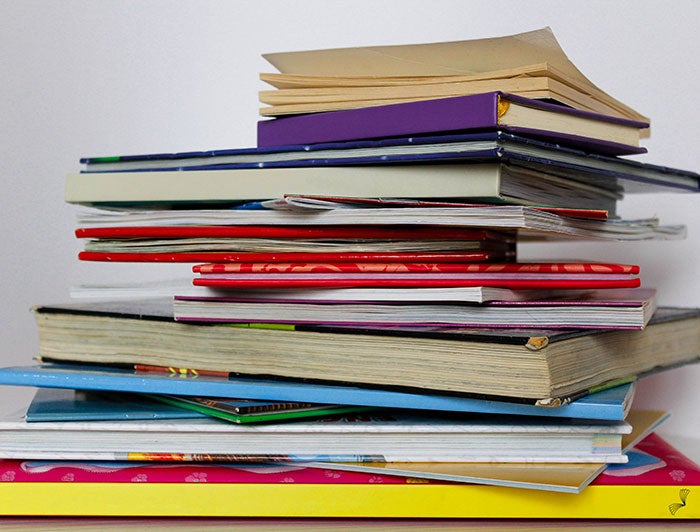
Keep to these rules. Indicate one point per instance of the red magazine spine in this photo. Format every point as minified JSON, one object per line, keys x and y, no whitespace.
{"x":473,"y":256}
{"x":334,"y":232}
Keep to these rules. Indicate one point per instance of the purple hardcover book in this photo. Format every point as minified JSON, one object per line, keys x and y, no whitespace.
{"x":444,"y":115}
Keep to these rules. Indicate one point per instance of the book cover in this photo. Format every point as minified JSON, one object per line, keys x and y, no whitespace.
{"x":611,"y":403}
{"x":491,"y":110}
{"x":133,"y":489}
{"x":604,"y":309}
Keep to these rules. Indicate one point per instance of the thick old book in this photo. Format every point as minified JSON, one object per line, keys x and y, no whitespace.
{"x":604,"y":309}
{"x":535,"y":364}
{"x":605,"y":403}
{"x":531,"y":64}
{"x":487,"y":111}
{"x":659,"y":482}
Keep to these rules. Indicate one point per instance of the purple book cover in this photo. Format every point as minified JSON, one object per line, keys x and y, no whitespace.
{"x":460,"y":113}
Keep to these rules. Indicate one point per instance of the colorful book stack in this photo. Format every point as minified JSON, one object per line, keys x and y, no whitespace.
{"x":360,"y":339}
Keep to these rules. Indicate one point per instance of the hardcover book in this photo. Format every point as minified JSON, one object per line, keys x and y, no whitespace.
{"x":481,"y":180}
{"x":658,"y":483}
{"x":534,"y":364}
{"x":631,"y":175}
{"x":605,"y":403}
{"x":491,"y":110}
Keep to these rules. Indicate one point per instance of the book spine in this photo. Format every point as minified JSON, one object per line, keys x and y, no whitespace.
{"x":415,"y":283}
{"x":293,"y":232}
{"x":371,"y":267}
{"x":414,"y":499}
{"x":477,"y":111}
{"x":471,"y":256}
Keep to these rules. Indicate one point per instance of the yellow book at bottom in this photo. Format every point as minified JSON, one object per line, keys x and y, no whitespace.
{"x":658,"y":483}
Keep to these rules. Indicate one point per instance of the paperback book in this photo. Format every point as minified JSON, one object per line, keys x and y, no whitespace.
{"x":604,"y":309}
{"x":439,"y":69}
{"x":528,"y":222}
{"x":364,"y":437}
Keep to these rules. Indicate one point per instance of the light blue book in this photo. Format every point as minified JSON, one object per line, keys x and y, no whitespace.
{"x":609,"y":404}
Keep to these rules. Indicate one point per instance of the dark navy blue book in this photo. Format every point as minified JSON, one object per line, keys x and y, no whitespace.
{"x":609,"y":172}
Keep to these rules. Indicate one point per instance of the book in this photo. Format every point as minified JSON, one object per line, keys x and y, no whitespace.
{"x":569,"y":478}
{"x":603,"y":309}
{"x":183,"y":286}
{"x":535,"y":364}
{"x":532,"y":64}
{"x":664,"y":489}
{"x":553,"y":476}
{"x":605,"y":403}
{"x":286,"y":257}
{"x":56,"y":404}
{"x":486,"y":111}
{"x":283,"y":239}
{"x":398,"y":436}
{"x":253,"y":411}
{"x":483,"y":181}
{"x":634,"y":176}
{"x":528,"y":222}
{"x":513,"y":275}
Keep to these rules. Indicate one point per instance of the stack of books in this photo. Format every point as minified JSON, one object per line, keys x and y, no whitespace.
{"x":359,"y":339}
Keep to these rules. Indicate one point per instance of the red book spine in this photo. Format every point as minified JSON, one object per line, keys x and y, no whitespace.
{"x":407,"y":267}
{"x":517,"y":284}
